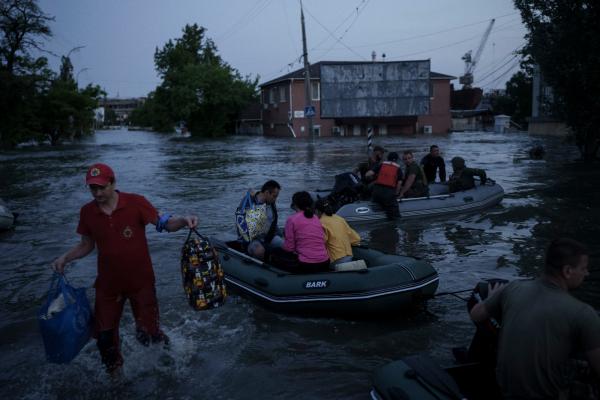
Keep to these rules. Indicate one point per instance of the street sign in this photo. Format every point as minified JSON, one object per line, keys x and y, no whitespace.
{"x":309,"y":111}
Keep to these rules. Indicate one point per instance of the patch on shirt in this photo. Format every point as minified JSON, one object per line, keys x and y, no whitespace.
{"x":127,"y":232}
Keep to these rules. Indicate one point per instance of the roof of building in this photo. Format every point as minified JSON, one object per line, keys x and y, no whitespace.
{"x":315,"y":72}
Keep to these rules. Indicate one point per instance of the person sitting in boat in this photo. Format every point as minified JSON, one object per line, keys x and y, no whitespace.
{"x":415,"y":184}
{"x":256,"y":220}
{"x":463,"y":178}
{"x":544,"y":326}
{"x":339,"y":237}
{"x":305,"y":237}
{"x":433,"y":163}
{"x":387,"y":185}
{"x":375,"y":159}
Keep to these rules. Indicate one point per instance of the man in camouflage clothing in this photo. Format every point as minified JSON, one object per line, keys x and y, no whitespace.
{"x":462,"y":177}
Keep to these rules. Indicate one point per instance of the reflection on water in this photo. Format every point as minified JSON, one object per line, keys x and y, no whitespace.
{"x":215,"y":354}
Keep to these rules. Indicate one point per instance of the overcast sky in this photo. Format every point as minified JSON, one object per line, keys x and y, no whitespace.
{"x":263,"y":37}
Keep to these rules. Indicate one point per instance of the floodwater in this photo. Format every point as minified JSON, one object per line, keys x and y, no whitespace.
{"x":243,"y":351}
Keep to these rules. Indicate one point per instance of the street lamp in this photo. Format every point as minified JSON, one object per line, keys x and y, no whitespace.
{"x":77,"y":76}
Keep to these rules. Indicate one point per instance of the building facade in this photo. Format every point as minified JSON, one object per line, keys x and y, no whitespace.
{"x":283,"y":102}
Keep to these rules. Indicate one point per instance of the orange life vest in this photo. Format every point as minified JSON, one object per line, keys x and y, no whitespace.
{"x":388,"y":174}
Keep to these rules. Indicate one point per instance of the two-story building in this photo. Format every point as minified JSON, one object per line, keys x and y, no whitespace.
{"x":283,"y":104}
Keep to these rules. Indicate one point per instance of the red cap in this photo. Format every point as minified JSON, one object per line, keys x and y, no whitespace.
{"x":99,"y":174}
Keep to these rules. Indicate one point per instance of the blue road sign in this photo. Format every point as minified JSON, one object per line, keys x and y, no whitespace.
{"x":309,"y":111}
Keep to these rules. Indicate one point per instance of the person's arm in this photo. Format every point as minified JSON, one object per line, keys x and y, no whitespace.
{"x":479,"y":313}
{"x":176,"y":223}
{"x":289,"y":243}
{"x":482,"y":311}
{"x":353,"y":236}
{"x":407,"y":184}
{"x":481,"y":174}
{"x":173,"y":223}
{"x":81,"y":249}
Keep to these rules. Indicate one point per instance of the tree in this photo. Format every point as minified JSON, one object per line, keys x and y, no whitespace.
{"x":198,"y":87}
{"x":564,"y":40}
{"x":517,"y":100}
{"x":66,"y":111}
{"x":22,"y":78}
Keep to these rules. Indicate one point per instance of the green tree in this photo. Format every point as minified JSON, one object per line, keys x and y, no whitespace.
{"x":517,"y":100}
{"x":22,"y":28}
{"x":564,"y":40}
{"x":66,"y":111}
{"x":198,"y":87}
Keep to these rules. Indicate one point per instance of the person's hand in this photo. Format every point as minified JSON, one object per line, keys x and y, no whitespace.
{"x":495,"y":288}
{"x":58,"y":265}
{"x":191,"y":221}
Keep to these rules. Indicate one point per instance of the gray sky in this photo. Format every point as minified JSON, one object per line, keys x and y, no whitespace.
{"x":263,"y":37}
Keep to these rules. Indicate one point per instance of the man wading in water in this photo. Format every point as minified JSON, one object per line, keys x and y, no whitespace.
{"x":115,"y":222}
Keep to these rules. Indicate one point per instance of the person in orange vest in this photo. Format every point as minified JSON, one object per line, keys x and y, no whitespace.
{"x":388,"y":185}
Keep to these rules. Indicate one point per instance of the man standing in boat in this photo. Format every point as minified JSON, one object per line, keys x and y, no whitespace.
{"x":115,"y":222}
{"x":433,"y":163}
{"x":543,"y":326}
{"x":415,"y":184}
{"x":462,"y":178}
{"x":387,"y":185}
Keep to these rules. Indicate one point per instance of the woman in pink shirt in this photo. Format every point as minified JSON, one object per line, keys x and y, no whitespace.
{"x":304,"y":235}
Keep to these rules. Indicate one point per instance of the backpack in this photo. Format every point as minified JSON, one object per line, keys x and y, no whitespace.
{"x":202,"y":273}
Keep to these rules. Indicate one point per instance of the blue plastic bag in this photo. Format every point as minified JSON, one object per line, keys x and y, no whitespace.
{"x":65,"y":321}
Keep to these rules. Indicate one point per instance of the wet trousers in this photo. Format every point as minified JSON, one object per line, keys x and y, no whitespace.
{"x":385,"y":196}
{"x":108,"y":311}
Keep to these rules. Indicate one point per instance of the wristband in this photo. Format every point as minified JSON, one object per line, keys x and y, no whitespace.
{"x":161,"y":225}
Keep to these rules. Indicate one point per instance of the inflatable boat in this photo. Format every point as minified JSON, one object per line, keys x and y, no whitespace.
{"x":420,"y":378}
{"x":387,"y":283}
{"x":438,"y":203}
{"x":7,"y":219}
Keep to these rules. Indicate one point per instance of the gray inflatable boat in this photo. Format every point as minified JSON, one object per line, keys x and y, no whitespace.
{"x":438,"y":203}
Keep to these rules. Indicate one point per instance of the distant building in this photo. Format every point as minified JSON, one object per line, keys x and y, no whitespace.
{"x":542,"y":121}
{"x":250,"y":120}
{"x":283,"y":102}
{"x":122,"y":107}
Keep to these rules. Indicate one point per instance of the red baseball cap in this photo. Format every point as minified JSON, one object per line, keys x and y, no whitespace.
{"x":99,"y":174}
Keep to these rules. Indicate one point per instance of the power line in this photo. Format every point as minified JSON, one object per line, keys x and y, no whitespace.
{"x":431,"y":34}
{"x":333,"y":36}
{"x":244,"y":20}
{"x":358,"y":12}
{"x":511,"y":68}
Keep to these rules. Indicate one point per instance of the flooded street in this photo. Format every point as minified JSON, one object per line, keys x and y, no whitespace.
{"x":243,"y":351}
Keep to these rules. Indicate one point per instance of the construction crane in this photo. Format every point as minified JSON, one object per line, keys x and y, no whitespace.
{"x":471,"y":62}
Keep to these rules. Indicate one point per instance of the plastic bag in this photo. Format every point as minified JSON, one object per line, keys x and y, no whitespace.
{"x":251,"y":219}
{"x":65,"y":321}
{"x":202,"y":273}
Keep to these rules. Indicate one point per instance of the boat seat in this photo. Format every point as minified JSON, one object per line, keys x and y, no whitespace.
{"x":356,"y":265}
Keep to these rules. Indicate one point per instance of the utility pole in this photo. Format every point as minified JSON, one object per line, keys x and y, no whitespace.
{"x":307,"y":85}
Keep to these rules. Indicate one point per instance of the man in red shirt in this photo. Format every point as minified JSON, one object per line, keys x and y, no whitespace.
{"x":115,"y":222}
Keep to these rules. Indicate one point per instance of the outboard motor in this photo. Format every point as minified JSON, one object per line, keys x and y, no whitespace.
{"x":346,"y":190}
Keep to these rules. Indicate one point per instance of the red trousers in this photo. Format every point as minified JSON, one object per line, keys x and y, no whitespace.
{"x":108,"y":311}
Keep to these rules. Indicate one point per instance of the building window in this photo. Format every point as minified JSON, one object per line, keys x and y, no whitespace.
{"x":315,"y":88}
{"x":272,"y":95}
{"x":282,"y":94}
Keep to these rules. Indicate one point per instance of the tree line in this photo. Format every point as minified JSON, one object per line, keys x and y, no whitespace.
{"x":199,"y":90}
{"x":37,"y":103}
